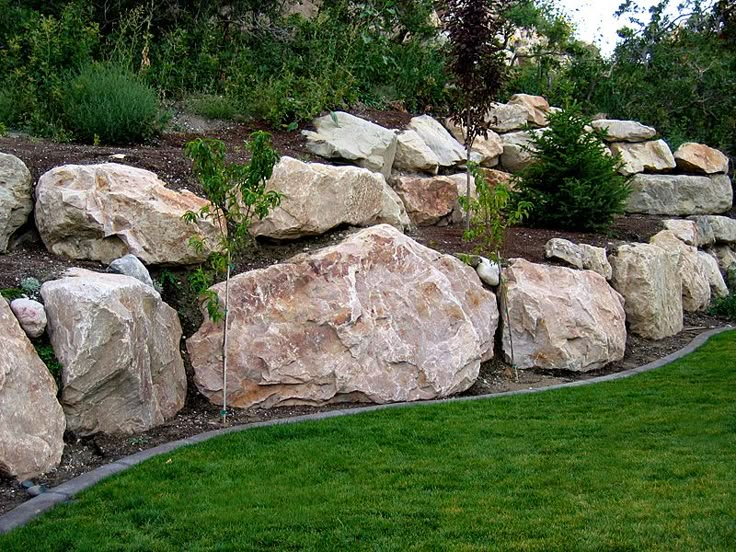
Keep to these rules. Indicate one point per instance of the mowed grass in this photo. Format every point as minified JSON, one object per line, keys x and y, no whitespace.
{"x":647,"y":463}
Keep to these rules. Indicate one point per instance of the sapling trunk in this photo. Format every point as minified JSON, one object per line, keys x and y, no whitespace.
{"x":468,"y":145}
{"x":224,"y":341}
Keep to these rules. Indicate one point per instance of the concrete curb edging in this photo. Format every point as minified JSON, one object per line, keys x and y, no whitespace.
{"x":28,"y":510}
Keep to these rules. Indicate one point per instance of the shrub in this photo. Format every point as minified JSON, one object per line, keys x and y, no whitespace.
{"x":574,"y":183}
{"x":212,"y":107}
{"x":109,"y":104}
{"x":725,"y":306}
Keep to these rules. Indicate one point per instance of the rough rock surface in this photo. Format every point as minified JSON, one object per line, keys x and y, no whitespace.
{"x":680,"y":195}
{"x":353,"y":139}
{"x":31,"y":316}
{"x":685,"y":230}
{"x":414,"y":155}
{"x":486,"y":150}
{"x":625,"y":131}
{"x":724,"y":255}
{"x":506,"y":117}
{"x":102,"y":212}
{"x":118,"y":343}
{"x":375,"y":318}
{"x":562,"y":319}
{"x":699,"y":158}
{"x":695,"y":281}
{"x":130,"y":265}
{"x":31,"y":420}
{"x":648,"y":278}
{"x":596,"y":259}
{"x":515,"y":155}
{"x":16,"y":200}
{"x":536,"y":108}
{"x":644,"y":157}
{"x":317,"y":198}
{"x":449,"y":151}
{"x":723,"y":228}
{"x":718,"y":287}
{"x":427,"y":200}
{"x":581,"y":256}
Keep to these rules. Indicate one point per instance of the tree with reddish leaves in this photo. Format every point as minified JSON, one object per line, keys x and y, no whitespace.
{"x":475,"y":29}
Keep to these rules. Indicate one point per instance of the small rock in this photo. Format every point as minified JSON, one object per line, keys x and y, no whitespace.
{"x":31,"y":315}
{"x":130,"y":265}
{"x":489,"y":272}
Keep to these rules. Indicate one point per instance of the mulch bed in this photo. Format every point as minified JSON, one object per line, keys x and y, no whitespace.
{"x":166,"y":158}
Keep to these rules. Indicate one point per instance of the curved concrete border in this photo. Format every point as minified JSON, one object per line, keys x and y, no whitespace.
{"x":25,"y":512}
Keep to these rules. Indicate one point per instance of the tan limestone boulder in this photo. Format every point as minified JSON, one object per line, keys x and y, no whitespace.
{"x":679,"y":195}
{"x":449,"y":151}
{"x":536,"y":107}
{"x":31,"y":420}
{"x":16,"y":200}
{"x":414,"y":155}
{"x":725,"y":256}
{"x":118,"y":343}
{"x":318,"y":198}
{"x":684,"y":230}
{"x":344,"y":136}
{"x":652,"y":156}
{"x":624,"y":131}
{"x":506,"y":117}
{"x":517,"y":150}
{"x":561,"y":319}
{"x":699,"y":158}
{"x":709,"y":264}
{"x":427,"y":200}
{"x":102,"y":212}
{"x":580,"y":256}
{"x":648,"y":278}
{"x":486,"y":149}
{"x":695,"y":281}
{"x":376,"y":318}
{"x":723,"y":228}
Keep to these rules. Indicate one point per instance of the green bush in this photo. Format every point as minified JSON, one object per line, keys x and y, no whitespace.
{"x":108,"y":104}
{"x":212,"y":107}
{"x":725,"y":306}
{"x":573,"y":184}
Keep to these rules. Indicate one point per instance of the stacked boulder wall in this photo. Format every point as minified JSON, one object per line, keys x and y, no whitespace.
{"x":16,"y":200}
{"x":317,"y":198}
{"x":376,"y":318}
{"x":31,"y":419}
{"x":561,"y":319}
{"x":680,"y":195}
{"x":102,"y":212}
{"x":648,"y":278}
{"x":118,"y":343}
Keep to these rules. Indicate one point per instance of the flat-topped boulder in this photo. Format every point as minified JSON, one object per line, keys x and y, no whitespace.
{"x":680,"y":195}
{"x":102,"y":212}
{"x":648,"y":278}
{"x":642,"y":157}
{"x":343,"y":136}
{"x":427,"y":200}
{"x":536,"y":107}
{"x":449,"y":151}
{"x":31,"y":420}
{"x":701,"y":159}
{"x":118,"y":344}
{"x":561,"y":319}
{"x":624,"y":131}
{"x":16,"y":201}
{"x":504,"y":118}
{"x":414,"y":155}
{"x":376,"y":318}
{"x":317,"y":198}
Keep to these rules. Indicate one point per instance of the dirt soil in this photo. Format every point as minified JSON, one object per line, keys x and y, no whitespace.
{"x":28,"y":257}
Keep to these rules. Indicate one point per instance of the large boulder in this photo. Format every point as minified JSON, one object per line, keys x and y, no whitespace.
{"x":31,"y":316}
{"x":624,"y":131}
{"x":102,"y":212}
{"x":561,"y":319}
{"x":118,"y":344}
{"x":644,"y":157}
{"x":536,"y":107}
{"x":318,"y":198}
{"x":486,"y":149}
{"x":723,"y":228}
{"x":449,"y":151}
{"x":31,"y":420}
{"x":517,"y":150}
{"x":679,"y":195}
{"x":16,"y":201}
{"x":427,"y":200}
{"x":506,"y":117}
{"x":648,"y":278}
{"x":695,"y":280}
{"x":701,"y":159}
{"x":375,"y":318}
{"x":344,"y":136}
{"x":414,"y":155}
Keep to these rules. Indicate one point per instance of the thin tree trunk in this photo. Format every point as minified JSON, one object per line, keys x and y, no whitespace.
{"x":224,"y":342}
{"x":468,"y":145}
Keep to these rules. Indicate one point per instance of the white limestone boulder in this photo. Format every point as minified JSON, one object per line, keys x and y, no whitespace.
{"x":16,"y":201}
{"x":130,"y":265}
{"x":102,"y":212}
{"x":624,"y":131}
{"x":642,"y":157}
{"x":449,"y":151}
{"x":31,"y":420}
{"x":414,"y":155}
{"x":517,"y":150}
{"x":561,"y":319}
{"x":376,"y":318}
{"x":679,"y":195}
{"x":118,"y":344}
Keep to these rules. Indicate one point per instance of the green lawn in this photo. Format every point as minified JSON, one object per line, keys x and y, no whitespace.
{"x":646,"y":463}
